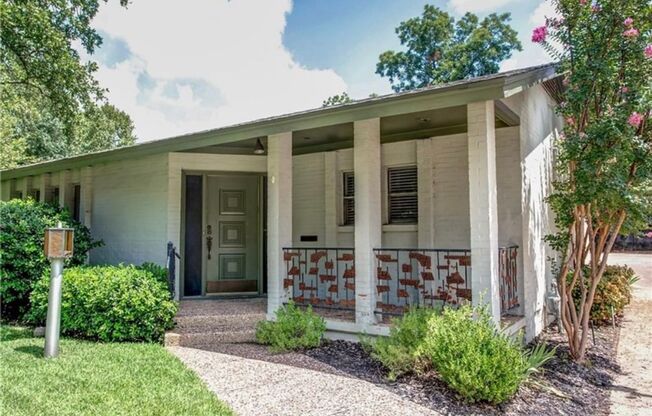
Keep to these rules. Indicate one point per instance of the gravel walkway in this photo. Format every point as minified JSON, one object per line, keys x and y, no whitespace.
{"x":632,"y":390}
{"x":253,"y":387}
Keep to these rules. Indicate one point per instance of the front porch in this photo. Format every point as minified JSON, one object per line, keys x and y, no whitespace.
{"x":361,"y":220}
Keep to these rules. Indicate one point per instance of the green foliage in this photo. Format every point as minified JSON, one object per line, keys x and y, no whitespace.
{"x":109,"y":303}
{"x":399,"y":352}
{"x":439,"y":50}
{"x":337,"y":100}
{"x":463,"y":346}
{"x":22,"y":262}
{"x":293,"y":329}
{"x":51,"y":104}
{"x":474,"y":359}
{"x":160,"y":273}
{"x":612,"y":294}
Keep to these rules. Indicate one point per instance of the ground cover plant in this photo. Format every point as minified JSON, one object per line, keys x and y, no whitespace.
{"x":22,"y":262}
{"x":292,"y":329}
{"x":97,"y":379}
{"x":109,"y":303}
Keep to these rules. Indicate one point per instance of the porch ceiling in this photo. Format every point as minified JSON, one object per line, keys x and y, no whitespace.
{"x":411,"y":126}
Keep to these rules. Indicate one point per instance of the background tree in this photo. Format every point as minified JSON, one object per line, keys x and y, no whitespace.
{"x":48,"y":93}
{"x":336,"y":100}
{"x":604,"y":160}
{"x":442,"y":50}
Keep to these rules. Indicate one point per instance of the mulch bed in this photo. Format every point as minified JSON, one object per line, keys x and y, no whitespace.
{"x":586,"y":386}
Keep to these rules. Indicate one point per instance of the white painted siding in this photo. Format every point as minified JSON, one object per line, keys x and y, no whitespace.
{"x":129,"y":210}
{"x":539,"y":127}
{"x":308,"y":198}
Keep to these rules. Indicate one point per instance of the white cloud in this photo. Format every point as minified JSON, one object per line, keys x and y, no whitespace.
{"x":202,"y":64}
{"x":463,"y":6}
{"x":532,"y":53}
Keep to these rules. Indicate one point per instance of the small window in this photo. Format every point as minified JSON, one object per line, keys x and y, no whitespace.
{"x":348,"y":192}
{"x":76,"y":207}
{"x":402,"y":194}
{"x":54,"y":196}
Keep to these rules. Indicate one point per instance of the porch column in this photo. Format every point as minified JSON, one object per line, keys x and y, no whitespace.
{"x":26,"y":189}
{"x":86,"y":195}
{"x":426,"y":231}
{"x":65,"y":189}
{"x":483,"y":206}
{"x":279,"y":216}
{"x":368,"y":223}
{"x":46,"y":188}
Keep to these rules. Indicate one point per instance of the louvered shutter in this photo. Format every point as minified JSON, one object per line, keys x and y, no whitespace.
{"x":348,"y":208}
{"x":403,"y":196}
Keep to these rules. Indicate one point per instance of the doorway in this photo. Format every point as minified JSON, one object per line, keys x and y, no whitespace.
{"x":223,"y":234}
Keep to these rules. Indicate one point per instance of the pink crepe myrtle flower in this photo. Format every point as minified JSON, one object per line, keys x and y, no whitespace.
{"x":628,"y":22}
{"x":583,"y":2}
{"x":631,"y":33}
{"x":624,"y":89}
{"x":635,"y":119}
{"x":539,"y":34}
{"x":649,"y":234}
{"x":570,"y":121}
{"x":648,"y":51}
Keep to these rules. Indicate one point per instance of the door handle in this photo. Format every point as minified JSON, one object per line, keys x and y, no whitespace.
{"x":209,"y":240}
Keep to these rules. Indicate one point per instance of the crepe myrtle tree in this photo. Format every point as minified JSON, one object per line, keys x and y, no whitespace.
{"x":604,"y":160}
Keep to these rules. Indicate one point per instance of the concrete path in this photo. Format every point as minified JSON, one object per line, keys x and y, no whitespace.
{"x":632,"y":391}
{"x":260,"y":388}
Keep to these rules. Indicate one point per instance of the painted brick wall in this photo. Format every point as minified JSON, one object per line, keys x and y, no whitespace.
{"x":129,"y":210}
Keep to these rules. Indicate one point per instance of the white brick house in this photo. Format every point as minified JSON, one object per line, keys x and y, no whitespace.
{"x":434,"y":196}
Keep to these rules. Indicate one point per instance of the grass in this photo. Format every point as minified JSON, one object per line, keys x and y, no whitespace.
{"x":90,"y":378}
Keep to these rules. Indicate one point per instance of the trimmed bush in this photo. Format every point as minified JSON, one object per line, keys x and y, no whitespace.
{"x":22,"y":228}
{"x":464,"y":347}
{"x":293,"y":329}
{"x":613,"y":293}
{"x":399,"y":352}
{"x":159,"y":272}
{"x":475,"y":360}
{"x":109,"y":303}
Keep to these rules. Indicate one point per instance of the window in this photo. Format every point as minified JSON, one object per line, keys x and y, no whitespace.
{"x":54,"y":196}
{"x":402,"y":193}
{"x":348,"y":192}
{"x":76,"y":202}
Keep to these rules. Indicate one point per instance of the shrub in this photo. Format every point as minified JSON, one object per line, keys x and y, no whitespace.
{"x":613,"y":293}
{"x":463,"y":345}
{"x":472,"y":357}
{"x":22,"y":228}
{"x":293,"y":329}
{"x":160,"y":273}
{"x":109,"y":303}
{"x":399,"y":352}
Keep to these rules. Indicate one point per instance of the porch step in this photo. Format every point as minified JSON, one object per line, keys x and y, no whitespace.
{"x":202,"y":323}
{"x":199,"y":339}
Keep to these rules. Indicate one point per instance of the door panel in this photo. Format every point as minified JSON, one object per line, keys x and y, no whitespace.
{"x":232,"y":262}
{"x":192,"y":253}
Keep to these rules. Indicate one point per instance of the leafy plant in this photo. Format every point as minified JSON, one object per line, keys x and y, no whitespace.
{"x":109,"y":303}
{"x":612,"y":294}
{"x":399,"y":352}
{"x":293,"y":329}
{"x":603,"y":175}
{"x":22,"y":262}
{"x":159,"y":272}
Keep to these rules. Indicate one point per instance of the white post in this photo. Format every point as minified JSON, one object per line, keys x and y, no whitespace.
{"x":279,"y":216}
{"x":425,"y":231}
{"x":86,"y":195}
{"x":368,"y":222}
{"x":65,"y":189}
{"x":483,"y":206}
{"x":46,"y":187}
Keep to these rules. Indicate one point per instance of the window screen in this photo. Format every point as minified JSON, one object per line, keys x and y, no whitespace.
{"x":402,"y":193}
{"x":348,"y":192}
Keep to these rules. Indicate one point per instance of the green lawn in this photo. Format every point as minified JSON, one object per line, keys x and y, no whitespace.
{"x":97,"y":379}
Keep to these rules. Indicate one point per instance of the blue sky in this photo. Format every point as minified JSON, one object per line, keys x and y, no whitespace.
{"x":177,"y":68}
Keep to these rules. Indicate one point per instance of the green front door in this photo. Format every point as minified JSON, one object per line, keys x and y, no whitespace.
{"x":232,"y":234}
